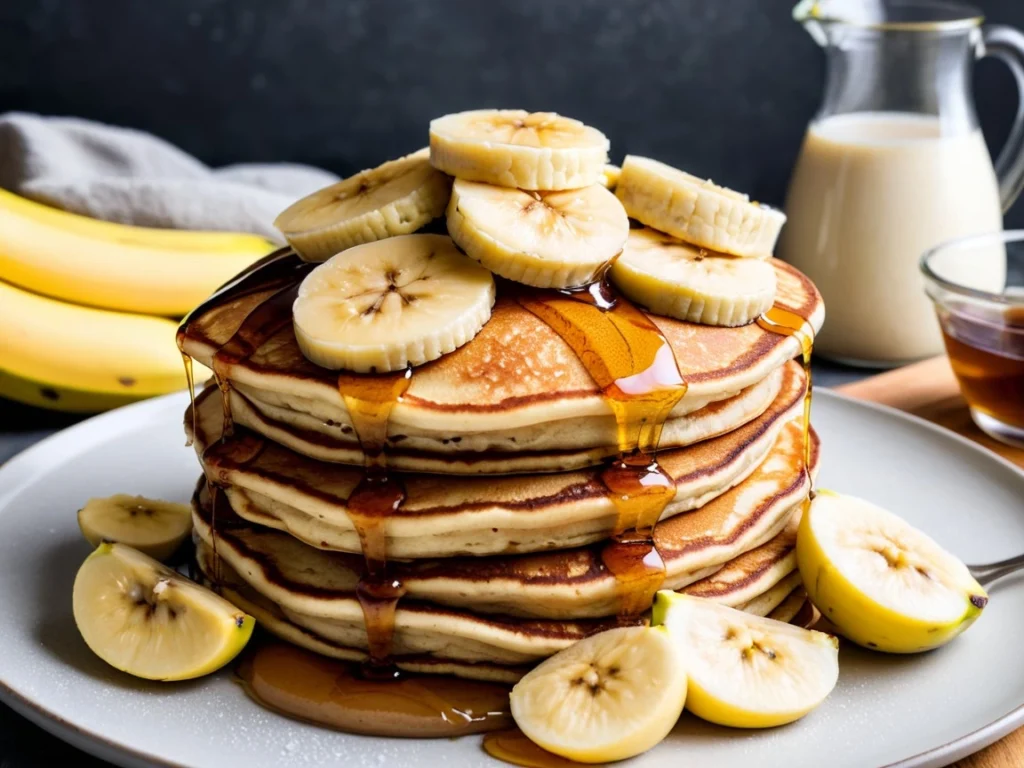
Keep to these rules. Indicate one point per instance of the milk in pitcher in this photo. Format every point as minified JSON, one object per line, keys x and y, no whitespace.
{"x":870,"y":193}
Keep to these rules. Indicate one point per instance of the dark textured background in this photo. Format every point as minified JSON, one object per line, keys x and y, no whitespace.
{"x":722,"y":88}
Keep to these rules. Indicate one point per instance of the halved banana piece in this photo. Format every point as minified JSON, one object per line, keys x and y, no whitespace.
{"x":683,"y":281}
{"x":696,"y":210}
{"x":149,"y":621}
{"x":610,"y":696}
{"x":513,"y":148}
{"x":883,"y":583}
{"x":387,"y":305}
{"x":155,"y":528}
{"x":396,"y":198}
{"x":746,"y":671}
{"x":545,"y":239}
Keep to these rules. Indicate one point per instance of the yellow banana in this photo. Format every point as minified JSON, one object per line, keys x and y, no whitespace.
{"x":80,"y":359}
{"x":116,"y":266}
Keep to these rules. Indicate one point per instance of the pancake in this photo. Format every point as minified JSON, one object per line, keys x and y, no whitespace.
{"x":515,"y":451}
{"x":741,"y":576}
{"x":796,"y":609}
{"x":553,"y":584}
{"x":517,"y":389}
{"x":452,"y":516}
{"x":429,"y":637}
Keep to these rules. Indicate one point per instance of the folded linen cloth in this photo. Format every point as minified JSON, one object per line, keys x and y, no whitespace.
{"x":132,"y":177}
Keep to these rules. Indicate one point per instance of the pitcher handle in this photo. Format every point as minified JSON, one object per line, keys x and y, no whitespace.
{"x":1007,"y":44}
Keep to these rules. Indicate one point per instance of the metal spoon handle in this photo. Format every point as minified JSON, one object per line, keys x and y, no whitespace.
{"x":989,"y":572}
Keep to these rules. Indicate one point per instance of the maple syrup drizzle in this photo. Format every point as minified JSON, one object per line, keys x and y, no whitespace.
{"x":513,"y":746}
{"x":785,"y":322}
{"x":280,"y":272}
{"x":635,"y":368}
{"x":369,"y":401}
{"x":187,"y":362}
{"x":327,"y":692}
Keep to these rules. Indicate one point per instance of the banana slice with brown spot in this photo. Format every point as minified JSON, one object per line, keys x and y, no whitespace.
{"x":513,"y":148}
{"x":387,"y":305}
{"x":155,"y":528}
{"x":545,"y":239}
{"x":686,"y":282}
{"x":396,"y":198}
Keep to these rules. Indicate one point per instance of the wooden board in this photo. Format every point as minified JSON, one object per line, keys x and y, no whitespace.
{"x":929,"y":390}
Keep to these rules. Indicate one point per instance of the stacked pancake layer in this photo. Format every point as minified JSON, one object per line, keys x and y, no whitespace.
{"x":501,"y":523}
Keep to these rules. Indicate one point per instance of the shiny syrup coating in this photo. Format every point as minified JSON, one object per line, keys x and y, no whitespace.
{"x":633,"y":364}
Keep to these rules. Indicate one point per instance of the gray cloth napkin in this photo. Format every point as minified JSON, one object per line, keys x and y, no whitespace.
{"x":128,"y":176}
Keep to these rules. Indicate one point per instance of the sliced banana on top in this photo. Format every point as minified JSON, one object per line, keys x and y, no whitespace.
{"x":149,"y":621}
{"x":746,"y":671}
{"x":610,"y":696}
{"x":545,"y":239}
{"x":513,"y":148}
{"x":156,"y":528}
{"x":697,"y":211}
{"x":680,"y":280}
{"x":387,"y":305}
{"x":883,"y":583}
{"x":396,"y":198}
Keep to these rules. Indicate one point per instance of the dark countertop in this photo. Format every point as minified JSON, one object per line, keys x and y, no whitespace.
{"x":24,"y":745}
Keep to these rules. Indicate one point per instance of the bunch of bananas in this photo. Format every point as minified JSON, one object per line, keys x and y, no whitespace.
{"x":86,"y":306}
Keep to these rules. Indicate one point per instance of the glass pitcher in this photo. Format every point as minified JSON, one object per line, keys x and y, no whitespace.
{"x":893,"y":164}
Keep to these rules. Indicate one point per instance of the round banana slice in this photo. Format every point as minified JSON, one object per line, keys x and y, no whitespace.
{"x":610,"y":176}
{"x":513,"y":148}
{"x":683,"y":281}
{"x":884,"y":584}
{"x":746,"y":671}
{"x":155,"y":528}
{"x":387,"y":305}
{"x":610,"y":696}
{"x":545,"y":239}
{"x":396,"y":198}
{"x":697,"y":211}
{"x":147,"y":620}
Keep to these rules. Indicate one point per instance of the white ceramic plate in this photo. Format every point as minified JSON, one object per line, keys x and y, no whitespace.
{"x":925,"y":710}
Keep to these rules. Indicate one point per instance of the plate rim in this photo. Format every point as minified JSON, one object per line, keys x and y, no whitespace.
{"x":123,"y":754}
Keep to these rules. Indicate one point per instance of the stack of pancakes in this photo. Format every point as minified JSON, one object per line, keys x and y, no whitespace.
{"x":498,"y":448}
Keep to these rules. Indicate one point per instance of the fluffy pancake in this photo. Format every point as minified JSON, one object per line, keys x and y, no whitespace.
{"x":517,"y":451}
{"x":433,"y":638}
{"x":542,"y":585}
{"x":517,"y":388}
{"x":444,"y":517}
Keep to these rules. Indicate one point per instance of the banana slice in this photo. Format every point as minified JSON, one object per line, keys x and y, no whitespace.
{"x":688,"y":283}
{"x":884,"y":584}
{"x":545,"y":239}
{"x":147,"y":620}
{"x":746,"y":671}
{"x":513,"y":148}
{"x":696,"y":210}
{"x":608,"y":697}
{"x":610,"y":176}
{"x":387,"y":305}
{"x":396,"y":198}
{"x":155,"y":528}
